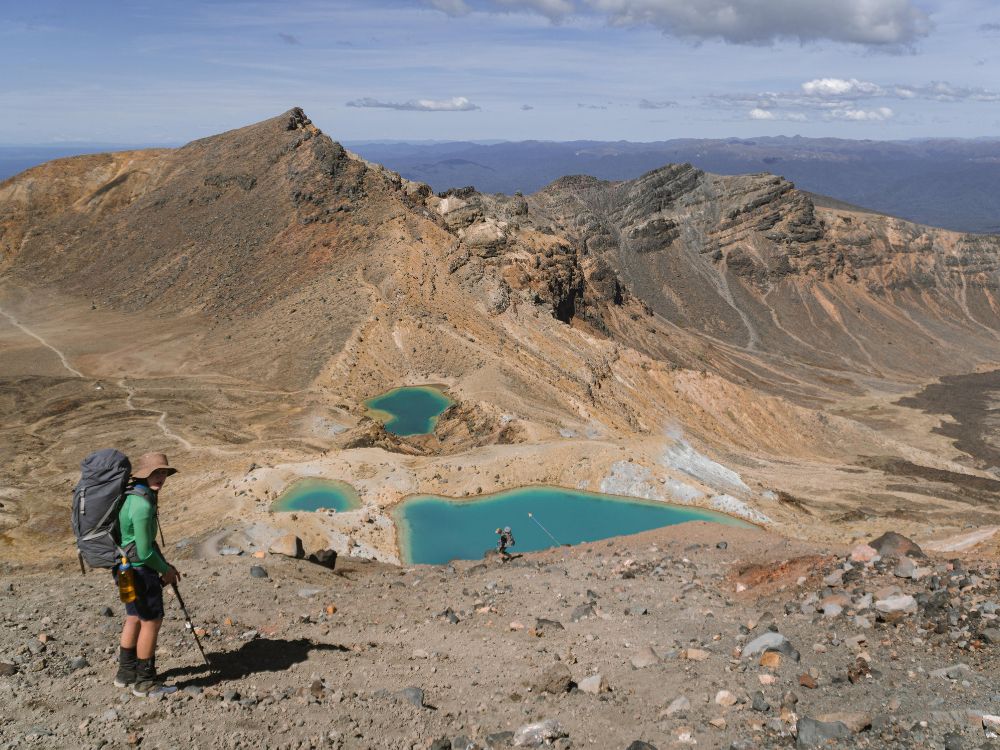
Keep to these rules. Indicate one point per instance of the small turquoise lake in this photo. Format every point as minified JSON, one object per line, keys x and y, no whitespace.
{"x":412,"y":410}
{"x":313,"y":494}
{"x":435,"y":530}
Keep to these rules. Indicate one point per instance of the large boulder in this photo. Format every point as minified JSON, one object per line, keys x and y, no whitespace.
{"x":891,"y":544}
{"x":288,"y":545}
{"x":325,"y":557}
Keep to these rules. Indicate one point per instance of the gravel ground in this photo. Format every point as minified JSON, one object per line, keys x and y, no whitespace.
{"x":642,"y":639}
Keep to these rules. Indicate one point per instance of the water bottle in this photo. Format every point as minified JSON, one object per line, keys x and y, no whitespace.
{"x":126,"y":581}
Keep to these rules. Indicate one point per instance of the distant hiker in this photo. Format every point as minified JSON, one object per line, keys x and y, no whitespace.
{"x":138,"y":523}
{"x":506,"y":539}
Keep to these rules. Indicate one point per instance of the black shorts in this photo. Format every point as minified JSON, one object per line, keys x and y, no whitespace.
{"x":148,"y":604}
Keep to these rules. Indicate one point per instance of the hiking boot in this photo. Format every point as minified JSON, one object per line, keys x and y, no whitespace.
{"x":126,"y":667}
{"x":146,"y":683}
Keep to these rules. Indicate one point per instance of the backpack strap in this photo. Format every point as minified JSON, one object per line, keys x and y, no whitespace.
{"x":142,"y":491}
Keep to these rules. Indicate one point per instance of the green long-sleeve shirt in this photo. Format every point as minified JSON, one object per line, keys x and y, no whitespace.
{"x":137,"y":521}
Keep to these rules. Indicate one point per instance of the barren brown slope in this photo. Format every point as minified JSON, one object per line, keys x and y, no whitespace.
{"x":253,"y":288}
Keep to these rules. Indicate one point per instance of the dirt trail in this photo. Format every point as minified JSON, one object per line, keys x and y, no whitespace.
{"x":27,"y":331}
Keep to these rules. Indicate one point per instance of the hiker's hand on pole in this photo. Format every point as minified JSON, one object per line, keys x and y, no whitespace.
{"x":171,"y":577}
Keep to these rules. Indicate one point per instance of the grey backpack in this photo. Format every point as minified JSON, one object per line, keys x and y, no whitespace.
{"x":97,"y":498}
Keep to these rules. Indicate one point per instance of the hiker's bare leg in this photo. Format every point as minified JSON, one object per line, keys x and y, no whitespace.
{"x":130,"y":632}
{"x":148,"y":632}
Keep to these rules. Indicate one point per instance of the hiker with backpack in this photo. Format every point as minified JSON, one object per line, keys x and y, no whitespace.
{"x":506,"y":539}
{"x":115,"y":523}
{"x":138,"y":525}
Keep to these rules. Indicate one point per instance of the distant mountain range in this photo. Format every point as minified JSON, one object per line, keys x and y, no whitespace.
{"x":954,"y":184}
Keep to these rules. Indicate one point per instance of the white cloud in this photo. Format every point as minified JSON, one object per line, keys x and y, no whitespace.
{"x":846,"y":98}
{"x":877,"y":23}
{"x":841,"y":87}
{"x":455,"y":104}
{"x":758,"y":113}
{"x":861,"y":115}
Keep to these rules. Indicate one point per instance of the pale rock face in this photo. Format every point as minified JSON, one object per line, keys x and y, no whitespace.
{"x":683,"y":457}
{"x":288,"y":545}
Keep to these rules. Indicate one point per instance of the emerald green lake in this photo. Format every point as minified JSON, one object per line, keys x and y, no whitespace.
{"x":435,"y":530}
{"x":313,"y":494}
{"x":412,"y":410}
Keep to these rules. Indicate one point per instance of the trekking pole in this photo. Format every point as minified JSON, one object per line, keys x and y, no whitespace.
{"x":545,"y":530}
{"x":188,"y":623}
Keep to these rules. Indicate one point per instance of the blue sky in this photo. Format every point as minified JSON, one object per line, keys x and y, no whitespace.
{"x":137,"y":71}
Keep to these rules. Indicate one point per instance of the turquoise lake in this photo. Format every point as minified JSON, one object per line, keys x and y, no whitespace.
{"x":313,"y":494}
{"x":435,"y":530}
{"x":412,"y":410}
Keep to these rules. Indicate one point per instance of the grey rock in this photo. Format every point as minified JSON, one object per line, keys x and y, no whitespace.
{"x":463,"y":743}
{"x":308,"y":593}
{"x":412,"y":695}
{"x":230,"y":551}
{"x":645,"y":657}
{"x":759,"y":703}
{"x":637,"y":609}
{"x":257,"y":571}
{"x":78,"y":662}
{"x":542,"y":623}
{"x":678,"y":705}
{"x":640,"y":745}
{"x":770,"y":641}
{"x":952,"y":741}
{"x":581,"y":612}
{"x":954,"y":672}
{"x":107,"y":612}
{"x":892,"y":544}
{"x":498,"y":740}
{"x":556,"y":679}
{"x":538,"y":733}
{"x":110,"y":715}
{"x":230,"y":695}
{"x":325,"y":557}
{"x":990,"y":635}
{"x":7,"y":669}
{"x":905,"y":569}
{"x":593,"y":685}
{"x":812,"y":733}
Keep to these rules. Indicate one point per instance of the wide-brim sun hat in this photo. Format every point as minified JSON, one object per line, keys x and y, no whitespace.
{"x":150,"y":462}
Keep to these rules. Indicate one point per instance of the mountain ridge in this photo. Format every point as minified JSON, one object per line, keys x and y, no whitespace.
{"x":242,"y":295}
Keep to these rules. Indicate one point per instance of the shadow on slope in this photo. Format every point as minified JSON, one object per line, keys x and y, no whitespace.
{"x":260,"y":655}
